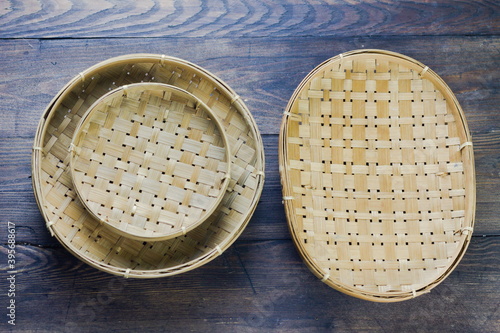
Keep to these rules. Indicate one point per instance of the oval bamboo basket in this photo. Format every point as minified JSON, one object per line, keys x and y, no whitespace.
{"x":150,"y":161}
{"x":85,"y":236}
{"x":378,"y":178}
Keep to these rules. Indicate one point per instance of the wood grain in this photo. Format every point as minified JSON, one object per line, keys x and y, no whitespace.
{"x":254,"y":18}
{"x":252,"y":287}
{"x":262,"y":49}
{"x":264,"y":72}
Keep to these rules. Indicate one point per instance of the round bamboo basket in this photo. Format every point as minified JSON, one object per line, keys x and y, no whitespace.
{"x":150,"y":160}
{"x":378,"y":177}
{"x":87,"y":238}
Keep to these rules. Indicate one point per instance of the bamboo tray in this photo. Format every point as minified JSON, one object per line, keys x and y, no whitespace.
{"x":150,"y":161}
{"x":378,"y":177}
{"x":85,"y":236}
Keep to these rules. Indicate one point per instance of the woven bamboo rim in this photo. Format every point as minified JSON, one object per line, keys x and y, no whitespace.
{"x":150,"y":160}
{"x":378,"y":177}
{"x":83,"y":235}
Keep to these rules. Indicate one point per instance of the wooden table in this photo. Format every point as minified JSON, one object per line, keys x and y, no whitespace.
{"x":262,"y":49}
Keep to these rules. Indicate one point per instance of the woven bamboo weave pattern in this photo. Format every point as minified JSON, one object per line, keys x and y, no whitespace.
{"x":84,"y":235}
{"x":378,"y":176}
{"x":150,"y":160}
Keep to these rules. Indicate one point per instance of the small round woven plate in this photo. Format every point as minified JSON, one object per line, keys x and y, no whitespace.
{"x":378,"y":175}
{"x":150,"y":160}
{"x":85,"y":236}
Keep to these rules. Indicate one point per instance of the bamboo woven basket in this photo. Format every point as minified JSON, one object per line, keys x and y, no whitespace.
{"x":150,"y":160}
{"x":90,"y":240}
{"x":378,"y":177}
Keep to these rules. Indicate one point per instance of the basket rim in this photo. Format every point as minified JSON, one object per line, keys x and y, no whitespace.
{"x":160,"y":59}
{"x":458,"y":113}
{"x":150,"y":86}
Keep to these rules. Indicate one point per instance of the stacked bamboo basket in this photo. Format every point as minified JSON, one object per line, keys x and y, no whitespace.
{"x":378,"y":176}
{"x":146,"y":166}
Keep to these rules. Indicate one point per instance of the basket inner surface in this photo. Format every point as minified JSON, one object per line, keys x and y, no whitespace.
{"x":377,"y":183}
{"x":150,"y":160}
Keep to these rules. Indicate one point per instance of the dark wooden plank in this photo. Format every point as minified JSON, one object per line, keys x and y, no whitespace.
{"x":265,"y":72}
{"x":255,"y":18}
{"x":263,"y":50}
{"x":252,"y":287}
{"x":15,"y":164}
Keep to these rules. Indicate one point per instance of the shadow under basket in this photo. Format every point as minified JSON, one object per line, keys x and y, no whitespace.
{"x":94,"y":243}
{"x":378,"y":177}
